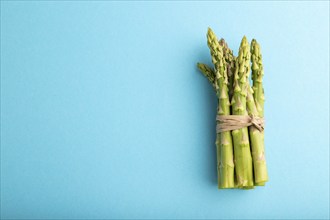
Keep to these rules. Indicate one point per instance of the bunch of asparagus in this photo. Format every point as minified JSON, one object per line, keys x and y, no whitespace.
{"x":240,"y":153}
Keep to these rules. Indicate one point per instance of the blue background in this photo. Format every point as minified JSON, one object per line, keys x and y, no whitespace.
{"x":105,"y":115}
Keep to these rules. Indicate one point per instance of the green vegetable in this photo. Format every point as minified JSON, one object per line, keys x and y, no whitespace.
{"x":208,"y":73}
{"x":224,"y":140}
{"x":243,"y":158}
{"x":257,"y":144}
{"x":257,"y":75}
{"x":230,"y":60}
{"x":258,"y":150}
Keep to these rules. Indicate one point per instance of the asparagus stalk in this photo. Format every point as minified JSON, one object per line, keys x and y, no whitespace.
{"x":230,"y":60}
{"x":208,"y":73}
{"x":224,"y":139}
{"x":257,"y":144}
{"x":260,"y":168}
{"x":257,"y":75}
{"x":243,"y":158}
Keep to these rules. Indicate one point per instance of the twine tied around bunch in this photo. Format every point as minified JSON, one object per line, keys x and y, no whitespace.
{"x":233,"y":122}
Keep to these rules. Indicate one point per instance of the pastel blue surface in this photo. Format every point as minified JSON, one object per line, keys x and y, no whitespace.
{"x":105,"y":115}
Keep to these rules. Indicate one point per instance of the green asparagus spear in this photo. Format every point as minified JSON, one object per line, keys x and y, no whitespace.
{"x":230,"y":60}
{"x":208,"y":73}
{"x":257,"y":144}
{"x":243,"y":158}
{"x":260,"y":168}
{"x":257,"y":75}
{"x":224,"y":140}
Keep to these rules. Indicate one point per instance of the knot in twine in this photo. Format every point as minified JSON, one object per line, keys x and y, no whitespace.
{"x":233,"y":122}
